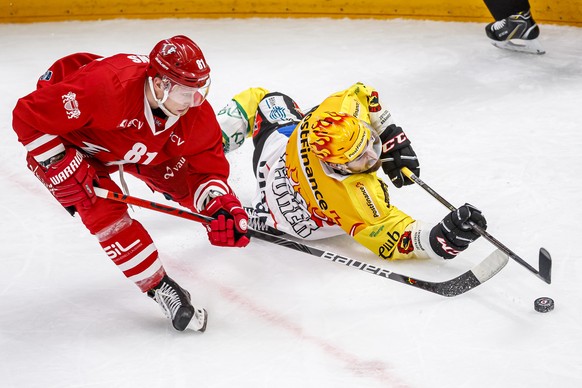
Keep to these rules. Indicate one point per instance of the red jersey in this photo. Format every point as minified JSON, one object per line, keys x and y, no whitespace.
{"x":99,"y":105}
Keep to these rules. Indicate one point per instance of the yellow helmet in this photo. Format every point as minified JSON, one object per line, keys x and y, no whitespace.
{"x":338,"y":137}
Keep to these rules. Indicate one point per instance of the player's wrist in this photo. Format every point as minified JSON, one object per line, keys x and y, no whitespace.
{"x":53,"y":159}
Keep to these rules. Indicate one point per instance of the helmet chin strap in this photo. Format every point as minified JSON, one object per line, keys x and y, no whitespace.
{"x":161,"y":101}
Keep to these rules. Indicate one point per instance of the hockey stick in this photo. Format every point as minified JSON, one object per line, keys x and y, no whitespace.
{"x":128,"y":199}
{"x":482,"y":272}
{"x":545,"y":260}
{"x":479,"y":274}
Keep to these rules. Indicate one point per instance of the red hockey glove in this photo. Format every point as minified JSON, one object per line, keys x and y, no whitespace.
{"x":229,"y":229}
{"x":70,"y":180}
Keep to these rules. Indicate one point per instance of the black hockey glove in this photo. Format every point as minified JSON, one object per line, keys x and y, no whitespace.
{"x":397,"y":153}
{"x":453,"y":234}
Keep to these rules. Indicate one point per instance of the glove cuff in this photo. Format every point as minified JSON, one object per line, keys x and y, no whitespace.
{"x":441,"y":245}
{"x":206,"y":192}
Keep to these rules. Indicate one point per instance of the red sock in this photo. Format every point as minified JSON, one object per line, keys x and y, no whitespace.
{"x":135,"y":254}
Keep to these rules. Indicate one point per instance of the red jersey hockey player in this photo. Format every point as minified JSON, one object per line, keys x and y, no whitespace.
{"x":316,"y":173}
{"x":90,"y":116}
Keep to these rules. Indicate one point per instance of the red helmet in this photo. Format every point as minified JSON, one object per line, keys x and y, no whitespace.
{"x":181,"y":60}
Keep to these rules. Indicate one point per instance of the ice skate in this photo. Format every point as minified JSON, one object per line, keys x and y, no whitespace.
{"x":516,"y":33}
{"x":175,"y":303}
{"x":258,"y":220}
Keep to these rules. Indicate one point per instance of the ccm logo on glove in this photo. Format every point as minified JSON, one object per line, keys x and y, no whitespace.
{"x":396,"y":140}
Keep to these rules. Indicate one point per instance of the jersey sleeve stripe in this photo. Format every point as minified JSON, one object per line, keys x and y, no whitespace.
{"x":38,"y":142}
{"x":201,"y":195}
{"x":48,"y":154}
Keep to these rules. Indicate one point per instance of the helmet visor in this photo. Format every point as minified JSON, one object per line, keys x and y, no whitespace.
{"x":366,"y":160}
{"x":187,"y":95}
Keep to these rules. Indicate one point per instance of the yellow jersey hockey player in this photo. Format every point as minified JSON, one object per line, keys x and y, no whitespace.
{"x":317,"y":173}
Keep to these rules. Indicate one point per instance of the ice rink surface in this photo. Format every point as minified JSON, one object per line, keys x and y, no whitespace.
{"x":500,"y":130}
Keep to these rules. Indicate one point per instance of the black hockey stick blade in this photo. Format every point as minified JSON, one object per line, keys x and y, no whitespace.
{"x":476,"y":276}
{"x":545,"y":271}
{"x":484,"y":271}
{"x":545,"y":260}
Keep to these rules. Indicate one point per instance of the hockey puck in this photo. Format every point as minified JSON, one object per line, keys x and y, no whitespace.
{"x":544,"y":304}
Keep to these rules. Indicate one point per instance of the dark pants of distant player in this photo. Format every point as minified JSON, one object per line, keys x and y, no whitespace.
{"x":501,"y":9}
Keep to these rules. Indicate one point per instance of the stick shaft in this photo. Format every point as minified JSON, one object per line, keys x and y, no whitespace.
{"x":128,"y":199}
{"x":406,"y":171}
{"x":453,"y":287}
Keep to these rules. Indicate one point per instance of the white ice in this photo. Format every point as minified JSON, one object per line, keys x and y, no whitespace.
{"x":497,"y":129}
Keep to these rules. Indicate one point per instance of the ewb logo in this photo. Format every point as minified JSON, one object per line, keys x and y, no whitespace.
{"x":277,"y":113}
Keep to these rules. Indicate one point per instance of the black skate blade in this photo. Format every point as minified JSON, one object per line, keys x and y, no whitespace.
{"x":520,"y":45}
{"x":545,"y":271}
